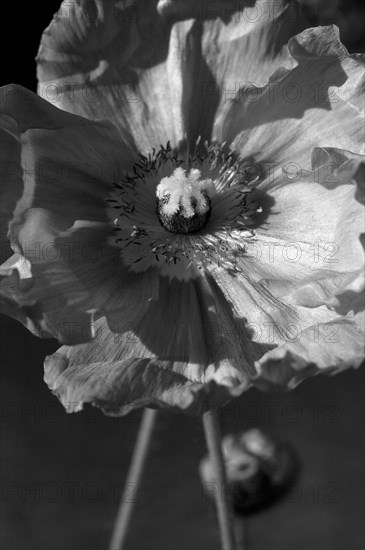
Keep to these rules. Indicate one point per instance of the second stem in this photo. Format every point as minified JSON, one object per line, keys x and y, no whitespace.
{"x":223,"y":504}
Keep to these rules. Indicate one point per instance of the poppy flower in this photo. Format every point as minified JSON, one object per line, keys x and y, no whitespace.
{"x":185,"y":202}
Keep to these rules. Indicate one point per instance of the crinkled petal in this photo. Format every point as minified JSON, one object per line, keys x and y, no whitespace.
{"x":120,"y":387}
{"x":59,"y":168}
{"x":302,"y":279}
{"x":322,"y":348}
{"x":185,"y":351}
{"x":309,"y":251}
{"x":317,"y":103}
{"x":53,"y":279}
{"x":196,"y":365}
{"x":68,"y":163}
{"x":159,"y":72}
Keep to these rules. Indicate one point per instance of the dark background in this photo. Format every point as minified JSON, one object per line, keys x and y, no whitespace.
{"x":61,"y":475}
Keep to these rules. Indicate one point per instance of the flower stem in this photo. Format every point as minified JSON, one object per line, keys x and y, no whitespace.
{"x":241,"y":531}
{"x":133,"y":479}
{"x":224,"y":511}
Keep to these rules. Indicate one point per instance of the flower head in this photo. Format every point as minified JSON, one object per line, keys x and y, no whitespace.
{"x":195,"y":244}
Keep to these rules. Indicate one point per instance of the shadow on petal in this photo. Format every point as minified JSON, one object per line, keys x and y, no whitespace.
{"x":191,"y":329}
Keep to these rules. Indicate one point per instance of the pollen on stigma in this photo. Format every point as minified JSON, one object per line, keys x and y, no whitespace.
{"x":183,"y":201}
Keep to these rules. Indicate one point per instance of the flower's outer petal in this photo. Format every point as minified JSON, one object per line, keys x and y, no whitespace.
{"x":67,"y":278}
{"x":59,"y":170}
{"x":321,"y":348}
{"x":270,"y":319}
{"x":347,"y":167}
{"x":301,"y":285}
{"x":120,"y":387}
{"x":302,"y":255}
{"x":304,"y":340}
{"x":192,"y":366}
{"x":52,"y":280}
{"x":114,"y":60}
{"x":241,"y":47}
{"x":186,"y":351}
{"x":68,"y":163}
{"x":160,"y":71}
{"x":317,"y":103}
{"x":189,"y":327}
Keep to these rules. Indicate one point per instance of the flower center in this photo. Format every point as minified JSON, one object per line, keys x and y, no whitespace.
{"x":203,"y":216}
{"x":183,"y":201}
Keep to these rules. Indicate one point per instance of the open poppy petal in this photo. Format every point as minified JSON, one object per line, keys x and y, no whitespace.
{"x":318,"y":103}
{"x":159,"y":72}
{"x":322,"y":348}
{"x":303,"y":254}
{"x":58,"y":170}
{"x":159,"y":364}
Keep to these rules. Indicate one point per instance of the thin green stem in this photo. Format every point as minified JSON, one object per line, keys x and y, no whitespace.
{"x":133,"y":480}
{"x":223,"y":505}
